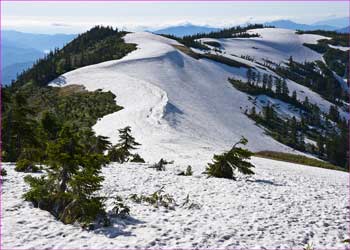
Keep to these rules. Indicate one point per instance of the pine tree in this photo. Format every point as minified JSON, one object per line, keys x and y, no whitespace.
{"x":253,"y":77}
{"x":249,"y":75}
{"x":224,"y":165}
{"x":258,"y":78}
{"x":294,"y":96}
{"x":291,"y":61}
{"x":334,"y":113}
{"x":265,"y":80}
{"x":50,"y":124}
{"x":21,"y":133}
{"x":253,"y":111}
{"x":270,"y":82}
{"x":121,"y":152}
{"x":278,"y":86}
{"x":306,"y":101}
{"x":285,"y":90}
{"x":73,"y":177}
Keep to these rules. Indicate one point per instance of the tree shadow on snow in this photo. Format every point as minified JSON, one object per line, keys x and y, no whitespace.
{"x":61,"y":80}
{"x":268,"y":182}
{"x":119,"y":227}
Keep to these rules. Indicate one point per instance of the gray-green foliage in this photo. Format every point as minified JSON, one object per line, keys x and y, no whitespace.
{"x":225,"y":165}
{"x":27,"y":166}
{"x":158,"y":199}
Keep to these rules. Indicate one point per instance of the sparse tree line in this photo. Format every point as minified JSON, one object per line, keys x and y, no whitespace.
{"x":328,"y":130}
{"x":316,"y":76}
{"x":233,"y":32}
{"x":274,"y":87}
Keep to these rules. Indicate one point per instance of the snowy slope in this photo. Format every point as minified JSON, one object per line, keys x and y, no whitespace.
{"x":274,"y":44}
{"x":178,"y":107}
{"x":284,"y":205}
{"x":185,"y":110}
{"x":277,"y":45}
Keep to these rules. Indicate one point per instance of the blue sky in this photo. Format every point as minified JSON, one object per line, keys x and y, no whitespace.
{"x":73,"y":17}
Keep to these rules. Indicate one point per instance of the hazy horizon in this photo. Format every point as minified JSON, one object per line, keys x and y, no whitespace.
{"x":76,"y":17}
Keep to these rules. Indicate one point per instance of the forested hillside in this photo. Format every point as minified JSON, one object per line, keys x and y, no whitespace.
{"x":33,"y":113}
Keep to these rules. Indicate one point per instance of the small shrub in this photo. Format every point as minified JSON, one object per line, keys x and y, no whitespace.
{"x":120,"y":209}
{"x":137,"y":158}
{"x":26,"y":166}
{"x":160,"y":166}
{"x":3,"y":172}
{"x":309,"y":246}
{"x":157,"y":199}
{"x":190,"y":205}
{"x":224,"y":165}
{"x":188,"y":171}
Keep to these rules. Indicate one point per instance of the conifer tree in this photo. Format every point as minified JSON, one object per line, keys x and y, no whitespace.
{"x":278,"y":86}
{"x":121,"y":152}
{"x":249,"y":75}
{"x":73,"y":177}
{"x":224,"y":165}
{"x":265,"y":80}
{"x":20,"y":126}
{"x":285,"y":90}
{"x":269,"y":82}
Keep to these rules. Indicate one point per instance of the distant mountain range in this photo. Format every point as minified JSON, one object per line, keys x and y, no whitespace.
{"x":21,"y":50}
{"x":287,"y":24}
{"x":344,"y":30}
{"x":185,"y":30}
{"x":336,"y":24}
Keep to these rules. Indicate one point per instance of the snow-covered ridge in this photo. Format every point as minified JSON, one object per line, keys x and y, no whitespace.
{"x":274,"y":44}
{"x":182,"y":108}
{"x":177,"y":106}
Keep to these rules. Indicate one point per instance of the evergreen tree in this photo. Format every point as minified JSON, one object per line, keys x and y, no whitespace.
{"x":121,"y":152}
{"x":306,"y":101}
{"x":224,"y":165}
{"x":249,"y":75}
{"x":258,"y":78}
{"x":50,"y":124}
{"x":73,"y":177}
{"x":294,"y":96}
{"x":265,"y":80}
{"x":285,"y":90}
{"x":334,"y":113}
{"x":278,"y":86}
{"x":269,"y":82}
{"x":253,"y":111}
{"x":253,"y":77}
{"x":20,"y":133}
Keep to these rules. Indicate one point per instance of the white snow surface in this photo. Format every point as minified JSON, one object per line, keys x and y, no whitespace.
{"x":178,"y":107}
{"x":283,"y":206}
{"x":185,"y":110}
{"x":274,"y":44}
{"x":342,"y":48}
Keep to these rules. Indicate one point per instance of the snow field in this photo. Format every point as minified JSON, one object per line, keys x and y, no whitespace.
{"x":283,"y":206}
